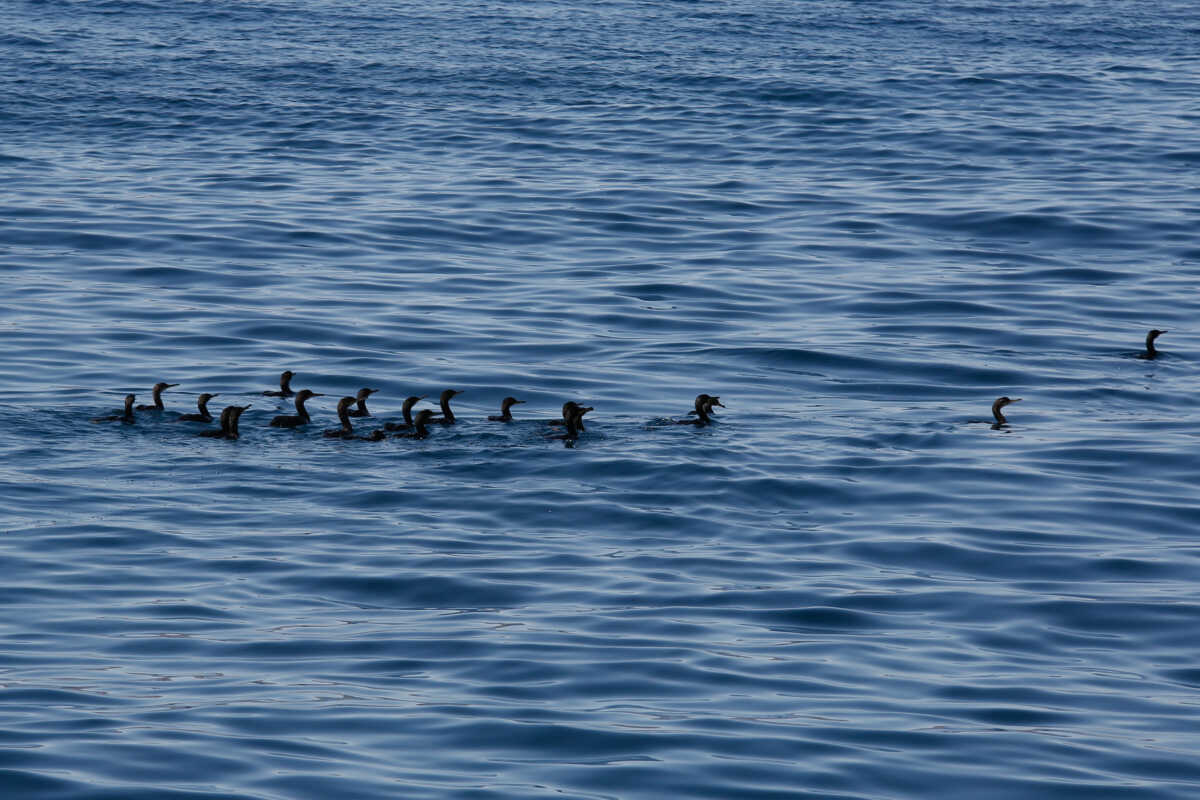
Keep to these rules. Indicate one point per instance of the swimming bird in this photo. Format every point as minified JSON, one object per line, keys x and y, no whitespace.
{"x":202,"y":404}
{"x":505,"y":410}
{"x":157,"y":392}
{"x":704,"y":404}
{"x":1151,"y":353}
{"x":406,"y":410}
{"x":229,"y":424}
{"x":343,"y":412}
{"x":285,"y":385}
{"x":361,"y":399}
{"x":301,"y":416}
{"x":1000,"y":403}
{"x":713,"y":400}
{"x":569,"y":410}
{"x":574,"y":421}
{"x":235,"y":414}
{"x":447,"y":417}
{"x":220,"y":432}
{"x":127,"y":417}
{"x":423,"y":418}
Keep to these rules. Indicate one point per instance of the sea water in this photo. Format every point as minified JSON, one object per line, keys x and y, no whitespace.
{"x":857,"y":223}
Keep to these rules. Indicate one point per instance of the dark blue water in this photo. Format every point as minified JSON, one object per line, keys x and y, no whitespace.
{"x":858,"y":223}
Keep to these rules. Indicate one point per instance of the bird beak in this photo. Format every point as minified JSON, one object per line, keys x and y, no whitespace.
{"x":718,"y":403}
{"x":1017,"y":400}
{"x":169,"y":385}
{"x":318,"y":394}
{"x":515,"y":402}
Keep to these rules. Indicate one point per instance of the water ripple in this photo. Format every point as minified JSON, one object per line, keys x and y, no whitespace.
{"x":856,"y":225}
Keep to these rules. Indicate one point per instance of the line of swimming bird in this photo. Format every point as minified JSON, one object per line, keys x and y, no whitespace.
{"x":416,"y":426}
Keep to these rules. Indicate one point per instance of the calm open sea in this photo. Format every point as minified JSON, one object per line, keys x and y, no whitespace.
{"x":858,"y":223}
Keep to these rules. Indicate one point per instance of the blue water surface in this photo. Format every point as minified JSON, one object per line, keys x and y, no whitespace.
{"x":857,"y":223}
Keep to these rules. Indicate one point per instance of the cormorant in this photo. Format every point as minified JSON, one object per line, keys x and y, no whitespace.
{"x":569,"y":409}
{"x":235,"y":414}
{"x":1000,"y":403}
{"x":301,"y":416}
{"x":224,"y":429}
{"x":285,"y":385}
{"x":157,"y":391}
{"x":361,"y":399}
{"x":229,"y":423}
{"x":704,"y":404}
{"x":343,"y":412}
{"x":424,"y":416}
{"x":505,"y":410}
{"x":574,"y":420}
{"x":127,"y":417}
{"x":405,"y":409}
{"x":713,"y":400}
{"x":1151,"y":353}
{"x":202,"y":404}
{"x":447,"y":417}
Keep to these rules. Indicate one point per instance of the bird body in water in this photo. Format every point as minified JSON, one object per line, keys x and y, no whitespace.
{"x":285,"y":385}
{"x":202,"y":404}
{"x":224,"y":423}
{"x":343,"y":412}
{"x":234,"y":415}
{"x":1000,"y":403}
{"x":569,"y":410}
{"x":157,"y":393}
{"x":301,"y":416}
{"x":347,"y":430}
{"x":1151,"y":353}
{"x":703,"y":406}
{"x":713,"y":400}
{"x":361,"y":399}
{"x":406,"y":410}
{"x":574,"y":420}
{"x":127,"y":417}
{"x":447,"y":417}
{"x":423,"y":418}
{"x":229,"y":424}
{"x":505,"y":410}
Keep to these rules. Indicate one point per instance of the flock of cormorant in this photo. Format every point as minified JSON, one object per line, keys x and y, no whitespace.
{"x":417,"y":426}
{"x":413,"y":426}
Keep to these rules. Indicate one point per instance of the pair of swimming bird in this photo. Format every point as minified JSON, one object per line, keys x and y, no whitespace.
{"x":127,"y":416}
{"x":1150,"y":354}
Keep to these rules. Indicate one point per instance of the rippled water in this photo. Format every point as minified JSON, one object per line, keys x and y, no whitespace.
{"x":858,"y":223}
